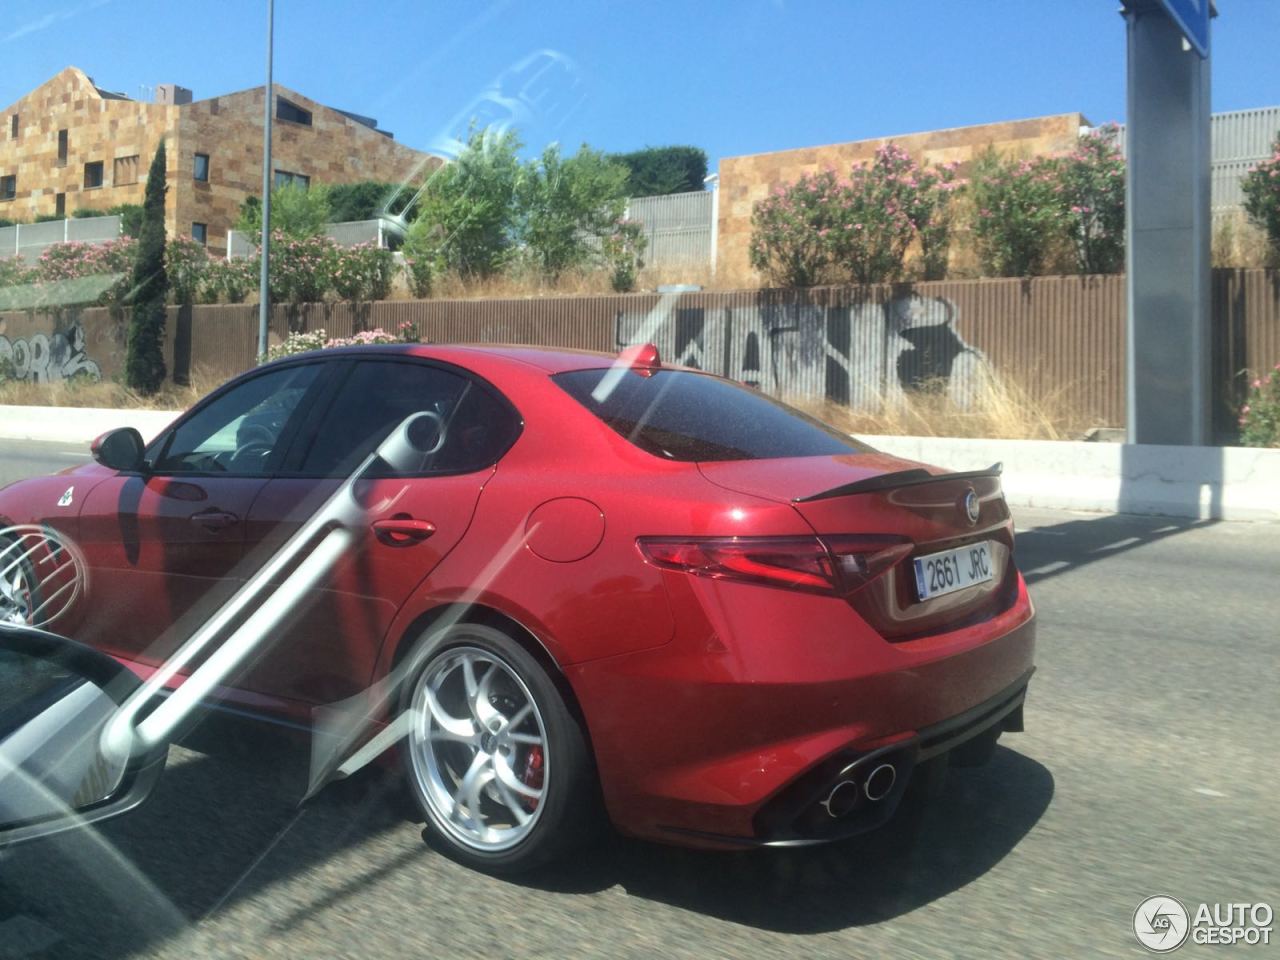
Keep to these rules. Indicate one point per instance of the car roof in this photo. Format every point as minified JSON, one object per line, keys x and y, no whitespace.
{"x":476,"y":356}
{"x":549,"y":359}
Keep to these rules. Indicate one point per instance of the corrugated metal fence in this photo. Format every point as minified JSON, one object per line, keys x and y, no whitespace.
{"x":1059,"y":339}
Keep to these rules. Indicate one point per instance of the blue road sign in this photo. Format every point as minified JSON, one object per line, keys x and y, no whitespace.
{"x":1192,"y":18}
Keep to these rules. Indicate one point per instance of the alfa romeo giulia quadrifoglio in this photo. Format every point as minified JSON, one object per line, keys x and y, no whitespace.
{"x":617,"y":585}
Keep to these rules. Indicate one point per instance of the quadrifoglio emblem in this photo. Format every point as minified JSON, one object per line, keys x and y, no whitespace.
{"x":1163,"y":924}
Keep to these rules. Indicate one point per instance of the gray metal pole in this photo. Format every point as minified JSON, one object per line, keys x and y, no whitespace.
{"x":1169,"y":369}
{"x":264,"y":289}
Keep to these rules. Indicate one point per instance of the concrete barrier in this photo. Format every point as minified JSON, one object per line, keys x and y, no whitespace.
{"x":77,"y":424}
{"x":1225,"y":483}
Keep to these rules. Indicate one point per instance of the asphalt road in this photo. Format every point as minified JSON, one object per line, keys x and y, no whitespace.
{"x":1147,"y":767}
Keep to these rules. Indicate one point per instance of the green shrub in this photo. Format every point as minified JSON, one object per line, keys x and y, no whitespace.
{"x":229,"y":281}
{"x":1260,"y":414}
{"x":363,"y":200}
{"x":186,"y":262}
{"x":566,"y":206}
{"x":624,"y":254}
{"x":466,"y":216}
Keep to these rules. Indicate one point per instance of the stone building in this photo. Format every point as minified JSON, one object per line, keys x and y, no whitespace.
{"x":69,"y":145}
{"x":746,"y":180}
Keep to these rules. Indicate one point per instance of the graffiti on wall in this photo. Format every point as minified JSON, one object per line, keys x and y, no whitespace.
{"x":42,"y":358}
{"x":864,"y":355}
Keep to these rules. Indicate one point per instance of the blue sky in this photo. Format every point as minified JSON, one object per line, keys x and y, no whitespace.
{"x":733,"y":78}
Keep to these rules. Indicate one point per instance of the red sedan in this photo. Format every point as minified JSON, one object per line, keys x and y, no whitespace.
{"x":609,"y":582}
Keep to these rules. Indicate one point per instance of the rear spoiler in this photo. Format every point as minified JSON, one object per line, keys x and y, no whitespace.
{"x":900,"y":478}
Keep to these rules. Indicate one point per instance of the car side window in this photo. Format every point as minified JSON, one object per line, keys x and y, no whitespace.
{"x":378,"y":395}
{"x":240,"y":431}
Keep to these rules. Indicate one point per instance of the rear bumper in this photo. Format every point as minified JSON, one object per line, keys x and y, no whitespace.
{"x":728,"y":735}
{"x":800,"y":815}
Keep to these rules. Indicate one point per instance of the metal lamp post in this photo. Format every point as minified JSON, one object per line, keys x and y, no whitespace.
{"x":264,"y":291}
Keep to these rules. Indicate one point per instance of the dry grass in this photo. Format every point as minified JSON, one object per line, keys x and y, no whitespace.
{"x":1237,"y":242}
{"x":516,"y":285}
{"x":79,"y":392}
{"x":1001,"y":411}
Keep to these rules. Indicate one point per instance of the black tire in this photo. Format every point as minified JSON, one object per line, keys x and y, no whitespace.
{"x":568,"y":806}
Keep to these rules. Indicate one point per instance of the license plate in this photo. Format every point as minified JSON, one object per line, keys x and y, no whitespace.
{"x":941,"y":573}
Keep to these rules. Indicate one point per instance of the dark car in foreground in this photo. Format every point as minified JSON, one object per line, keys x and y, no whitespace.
{"x":605,"y":581}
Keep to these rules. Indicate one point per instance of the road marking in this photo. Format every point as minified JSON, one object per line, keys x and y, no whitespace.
{"x":1206,"y":791}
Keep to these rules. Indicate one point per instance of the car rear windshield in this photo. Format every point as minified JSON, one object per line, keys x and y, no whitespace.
{"x":678,"y":415}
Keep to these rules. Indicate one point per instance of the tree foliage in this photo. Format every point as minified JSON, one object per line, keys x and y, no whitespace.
{"x":296,"y":211}
{"x":658,"y":171}
{"x":144,"y":362}
{"x":363,"y":200}
{"x":466,"y":215}
{"x":566,"y":206}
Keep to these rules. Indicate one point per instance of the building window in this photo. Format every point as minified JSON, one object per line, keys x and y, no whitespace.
{"x":200,"y":233}
{"x":125,"y":171}
{"x":60,"y":205}
{"x":286,"y":179}
{"x":13,"y":127}
{"x":292,"y":112}
{"x":9,"y":187}
{"x":62,"y":148}
{"x":93,"y":175}
{"x":201,"y":168}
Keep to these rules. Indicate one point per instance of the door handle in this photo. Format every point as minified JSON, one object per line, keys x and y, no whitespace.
{"x":214,"y":520}
{"x":402,"y":531}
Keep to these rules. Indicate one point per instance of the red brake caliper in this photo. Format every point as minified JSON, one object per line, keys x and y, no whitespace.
{"x":532,"y":776}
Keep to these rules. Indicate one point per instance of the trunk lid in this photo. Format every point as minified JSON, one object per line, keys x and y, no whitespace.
{"x":879,"y":494}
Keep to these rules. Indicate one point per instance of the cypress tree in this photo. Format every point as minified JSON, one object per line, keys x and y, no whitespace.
{"x":144,"y":362}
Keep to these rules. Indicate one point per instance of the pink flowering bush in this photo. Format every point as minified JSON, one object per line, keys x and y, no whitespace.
{"x":304,"y":342}
{"x":1017,"y":214}
{"x":301,"y":268}
{"x":825,"y":228}
{"x":15,"y":272}
{"x":73,"y":261}
{"x":1260,"y":415}
{"x":362,"y":272}
{"x":1261,"y":188}
{"x":185,"y":263}
{"x":364,"y":338}
{"x":229,"y":281}
{"x":1090,"y":191}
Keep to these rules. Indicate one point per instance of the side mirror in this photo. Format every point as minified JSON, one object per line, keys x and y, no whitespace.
{"x":56,"y":697}
{"x":120,"y":449}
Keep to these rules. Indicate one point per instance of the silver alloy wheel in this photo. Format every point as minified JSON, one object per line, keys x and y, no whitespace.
{"x":15,"y":592}
{"x":478,"y":749}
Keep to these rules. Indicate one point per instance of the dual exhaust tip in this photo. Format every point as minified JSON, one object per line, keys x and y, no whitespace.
{"x":844,"y":796}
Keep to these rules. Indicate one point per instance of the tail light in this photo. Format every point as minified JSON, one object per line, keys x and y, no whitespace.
{"x":836,"y":565}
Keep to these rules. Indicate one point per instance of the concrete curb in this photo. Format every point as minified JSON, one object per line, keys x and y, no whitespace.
{"x":1226,"y":483}
{"x":1222,"y":483}
{"x":77,"y":424}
